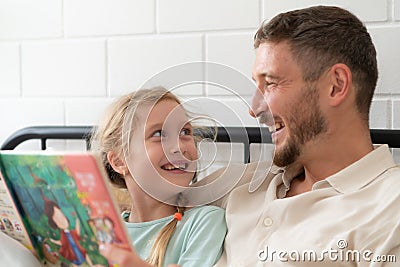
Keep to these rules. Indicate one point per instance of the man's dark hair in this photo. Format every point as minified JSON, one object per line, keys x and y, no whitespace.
{"x":322,"y":36}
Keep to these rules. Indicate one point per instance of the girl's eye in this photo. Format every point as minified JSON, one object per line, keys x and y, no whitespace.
{"x":157,"y":133}
{"x":185,"y":132}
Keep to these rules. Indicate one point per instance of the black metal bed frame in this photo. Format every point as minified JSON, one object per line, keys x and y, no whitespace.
{"x":244,"y":135}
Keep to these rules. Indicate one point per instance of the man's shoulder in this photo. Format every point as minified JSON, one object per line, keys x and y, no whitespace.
{"x":240,"y":177}
{"x":390,"y":180}
{"x":244,"y":173}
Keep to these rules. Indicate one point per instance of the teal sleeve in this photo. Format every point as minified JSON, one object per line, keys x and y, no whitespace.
{"x":206,"y":238}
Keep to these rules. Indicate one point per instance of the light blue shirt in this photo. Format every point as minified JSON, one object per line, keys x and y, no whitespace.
{"x":197,"y":241}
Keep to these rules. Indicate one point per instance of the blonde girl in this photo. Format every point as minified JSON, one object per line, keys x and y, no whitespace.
{"x":160,"y":142}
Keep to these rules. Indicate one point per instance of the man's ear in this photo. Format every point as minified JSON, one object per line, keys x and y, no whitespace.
{"x":117,"y":163}
{"x":341,"y":83}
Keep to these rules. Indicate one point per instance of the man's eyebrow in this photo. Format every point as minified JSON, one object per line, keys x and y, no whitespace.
{"x":272,"y":76}
{"x":266,"y":75}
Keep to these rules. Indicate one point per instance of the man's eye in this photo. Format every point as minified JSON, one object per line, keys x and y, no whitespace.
{"x":269,"y":84}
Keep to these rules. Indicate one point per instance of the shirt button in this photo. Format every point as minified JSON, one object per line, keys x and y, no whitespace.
{"x":268,"y":222}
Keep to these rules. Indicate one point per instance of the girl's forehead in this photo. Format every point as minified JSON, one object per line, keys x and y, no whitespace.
{"x":165,"y":114}
{"x":164,"y":110}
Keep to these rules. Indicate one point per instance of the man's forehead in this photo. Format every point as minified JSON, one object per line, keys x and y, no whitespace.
{"x":264,"y":71}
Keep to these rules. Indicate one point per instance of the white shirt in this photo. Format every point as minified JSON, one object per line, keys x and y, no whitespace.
{"x":12,"y":253}
{"x":349,"y":219}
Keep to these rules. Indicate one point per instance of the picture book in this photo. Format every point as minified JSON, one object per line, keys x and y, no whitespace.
{"x":60,"y":206}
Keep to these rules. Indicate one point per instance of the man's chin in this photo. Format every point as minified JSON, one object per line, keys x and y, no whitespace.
{"x":285,"y":156}
{"x":279,"y":162}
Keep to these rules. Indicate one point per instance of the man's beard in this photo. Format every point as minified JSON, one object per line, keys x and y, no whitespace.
{"x":305,"y":122}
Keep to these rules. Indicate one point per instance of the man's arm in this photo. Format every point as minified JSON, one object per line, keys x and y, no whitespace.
{"x":240,"y":174}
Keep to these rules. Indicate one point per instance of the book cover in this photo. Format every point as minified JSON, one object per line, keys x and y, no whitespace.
{"x":65,"y":205}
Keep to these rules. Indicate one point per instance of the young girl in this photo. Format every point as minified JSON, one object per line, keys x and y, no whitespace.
{"x":160,"y":142}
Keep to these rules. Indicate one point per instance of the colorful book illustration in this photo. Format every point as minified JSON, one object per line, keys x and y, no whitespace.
{"x":60,"y":206}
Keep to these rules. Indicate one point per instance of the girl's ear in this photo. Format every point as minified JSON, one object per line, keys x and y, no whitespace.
{"x":117,"y":163}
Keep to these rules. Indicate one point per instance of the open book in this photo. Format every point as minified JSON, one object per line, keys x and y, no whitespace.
{"x":60,"y":206}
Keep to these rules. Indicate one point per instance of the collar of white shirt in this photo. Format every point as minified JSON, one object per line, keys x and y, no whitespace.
{"x":349,"y":179}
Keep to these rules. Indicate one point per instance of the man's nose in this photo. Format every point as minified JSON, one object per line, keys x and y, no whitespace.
{"x":258,"y":104}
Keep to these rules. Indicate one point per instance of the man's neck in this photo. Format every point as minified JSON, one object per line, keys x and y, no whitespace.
{"x":328,"y":157}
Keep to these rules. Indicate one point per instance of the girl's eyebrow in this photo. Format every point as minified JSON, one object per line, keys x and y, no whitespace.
{"x":160,"y":125}
{"x":187,"y":124}
{"x":150,"y":127}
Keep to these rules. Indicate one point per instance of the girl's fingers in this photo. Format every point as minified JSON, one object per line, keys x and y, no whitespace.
{"x":123,"y":258}
{"x":119,"y":256}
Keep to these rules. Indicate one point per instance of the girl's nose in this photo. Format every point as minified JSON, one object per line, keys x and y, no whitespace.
{"x":176,"y":146}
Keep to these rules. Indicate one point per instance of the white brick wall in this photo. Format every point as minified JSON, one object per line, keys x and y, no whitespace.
{"x":63,"y":61}
{"x":64,"y":68}
{"x":132,"y":61}
{"x":26,"y":19}
{"x":380,"y":114}
{"x":108,"y":17}
{"x":396,"y":113}
{"x":232,"y":49}
{"x":367,"y":10}
{"x":388,"y":57}
{"x":397,"y":10}
{"x":85,"y":111}
{"x":21,"y":112}
{"x":207,"y":15}
{"x":9,"y":69}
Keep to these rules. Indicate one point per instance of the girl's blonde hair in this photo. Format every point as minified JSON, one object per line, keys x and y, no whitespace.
{"x":108,"y":137}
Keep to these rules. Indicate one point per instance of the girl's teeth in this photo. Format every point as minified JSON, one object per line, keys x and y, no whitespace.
{"x":173,"y":167}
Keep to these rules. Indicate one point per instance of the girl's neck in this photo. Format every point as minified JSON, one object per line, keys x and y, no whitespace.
{"x":143,"y":211}
{"x":144,"y":207}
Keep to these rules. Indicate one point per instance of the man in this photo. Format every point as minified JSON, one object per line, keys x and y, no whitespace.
{"x":334,"y":201}
{"x":331,"y":198}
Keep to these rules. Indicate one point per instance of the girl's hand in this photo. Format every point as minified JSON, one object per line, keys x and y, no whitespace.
{"x":122,"y":257}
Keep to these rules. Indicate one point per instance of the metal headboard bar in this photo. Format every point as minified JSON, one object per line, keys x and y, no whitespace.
{"x":43,"y":133}
{"x":224,"y":134}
